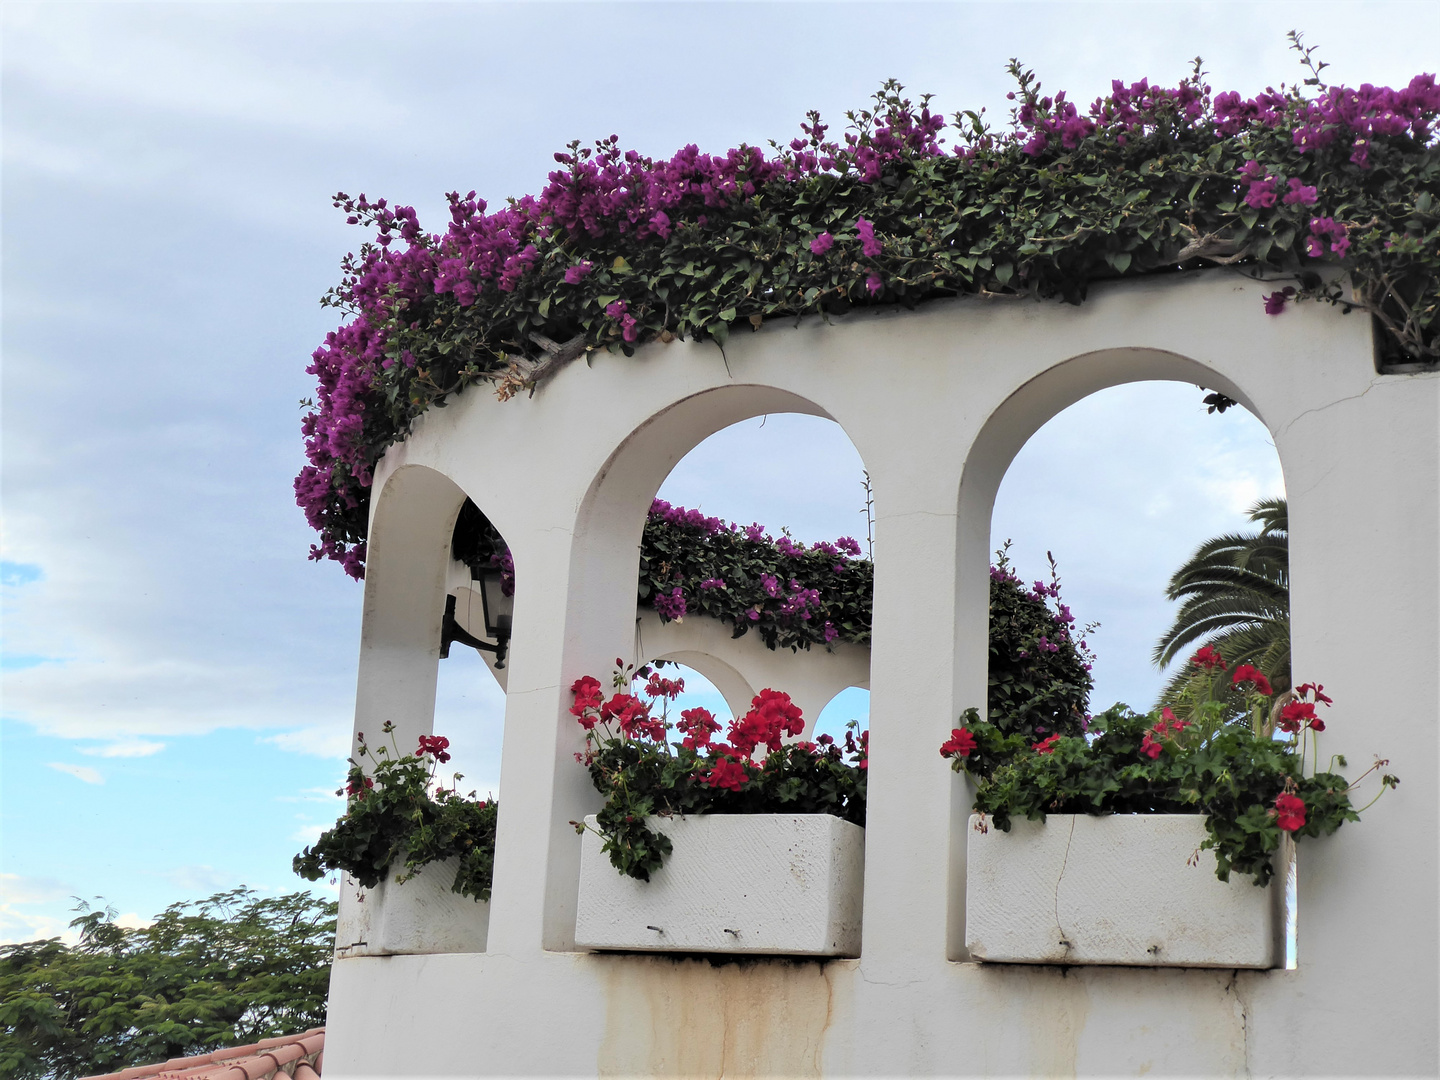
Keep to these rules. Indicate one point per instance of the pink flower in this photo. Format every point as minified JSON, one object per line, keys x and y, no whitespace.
{"x":874,"y":284}
{"x":1150,"y":747}
{"x":1275,"y":302}
{"x":1299,"y":193}
{"x":868,"y":244}
{"x":575,"y":274}
{"x":1261,"y":195}
{"x":821,"y":244}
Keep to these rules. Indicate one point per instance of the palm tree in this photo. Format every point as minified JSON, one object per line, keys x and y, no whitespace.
{"x":1236,"y":593}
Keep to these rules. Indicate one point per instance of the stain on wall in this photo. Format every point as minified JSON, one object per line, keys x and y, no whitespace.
{"x":695,"y":1018}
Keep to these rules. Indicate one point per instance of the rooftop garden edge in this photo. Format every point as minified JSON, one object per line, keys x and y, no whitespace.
{"x":620,"y":249}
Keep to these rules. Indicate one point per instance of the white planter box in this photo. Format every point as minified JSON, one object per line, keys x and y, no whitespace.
{"x":420,"y":916}
{"x":1121,"y":889}
{"x":777,"y":884}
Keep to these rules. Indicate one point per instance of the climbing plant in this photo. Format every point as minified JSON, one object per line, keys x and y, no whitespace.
{"x":1331,"y":192}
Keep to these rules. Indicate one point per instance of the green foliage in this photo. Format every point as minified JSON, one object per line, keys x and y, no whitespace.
{"x":1236,"y":593}
{"x":1249,"y":784}
{"x":641,"y":780}
{"x":1039,"y":671}
{"x":228,"y":970}
{"x":641,"y":775}
{"x":1002,"y":218}
{"x":399,"y":817}
{"x":678,"y":555}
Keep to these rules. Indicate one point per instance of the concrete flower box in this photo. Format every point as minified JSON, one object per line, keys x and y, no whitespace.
{"x":420,"y":916}
{"x":777,"y":884}
{"x":1121,"y":889}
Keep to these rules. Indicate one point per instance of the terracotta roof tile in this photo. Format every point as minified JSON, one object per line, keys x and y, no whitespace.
{"x":286,"y":1057}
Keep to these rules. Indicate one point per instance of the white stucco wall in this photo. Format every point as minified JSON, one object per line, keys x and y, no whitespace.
{"x":937,"y":402}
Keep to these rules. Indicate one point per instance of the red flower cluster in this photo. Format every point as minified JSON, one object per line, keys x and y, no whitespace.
{"x":633,"y":717}
{"x":728,"y":774}
{"x":1289,"y":811}
{"x":666,"y":688}
{"x":960,"y":744}
{"x":436,"y":745}
{"x":771,"y":716}
{"x":588,"y":697}
{"x":1300,"y":713}
{"x":697,"y":725}
{"x":1249,"y":673}
{"x":1208,"y":659}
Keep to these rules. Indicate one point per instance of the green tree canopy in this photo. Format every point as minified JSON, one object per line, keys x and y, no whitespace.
{"x":224,"y":971}
{"x":1236,"y":593}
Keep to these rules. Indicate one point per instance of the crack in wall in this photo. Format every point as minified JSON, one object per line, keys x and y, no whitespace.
{"x":1233,"y":988}
{"x":1375,"y":381}
{"x":1064,"y":940}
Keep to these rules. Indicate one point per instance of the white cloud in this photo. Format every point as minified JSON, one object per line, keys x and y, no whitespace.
{"x":20,"y":889}
{"x":308,"y":834}
{"x":17,"y":926}
{"x":130,"y":748}
{"x":131,"y":921}
{"x":80,"y":772}
{"x":201,"y":878}
{"x":330,"y":741}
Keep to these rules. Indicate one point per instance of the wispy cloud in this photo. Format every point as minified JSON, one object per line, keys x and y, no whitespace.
{"x":80,"y":772}
{"x":200,"y":878}
{"x":328,"y":741}
{"x":129,"y":748}
{"x":21,"y":889}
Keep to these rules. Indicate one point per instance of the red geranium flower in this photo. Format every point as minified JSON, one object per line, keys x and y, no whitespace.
{"x":1248,"y":673}
{"x":960,"y":744}
{"x":697,"y":725}
{"x":587,"y":696}
{"x":1047,"y":746}
{"x":1289,"y":811}
{"x":1150,"y":747}
{"x":434,"y":744}
{"x":1318,"y":689}
{"x":1296,"y":714}
{"x":1209,"y":659}
{"x":727,"y":774}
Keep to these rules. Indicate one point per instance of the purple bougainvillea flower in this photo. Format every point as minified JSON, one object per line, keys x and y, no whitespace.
{"x":874,"y":284}
{"x":1299,"y":193}
{"x":821,"y":244}
{"x":868,"y":244}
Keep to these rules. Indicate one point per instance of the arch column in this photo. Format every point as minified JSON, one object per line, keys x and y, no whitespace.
{"x":409,"y":553}
{"x":913,"y":703}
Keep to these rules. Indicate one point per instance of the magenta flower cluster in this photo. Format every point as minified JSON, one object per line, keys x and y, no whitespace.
{"x":606,"y":191}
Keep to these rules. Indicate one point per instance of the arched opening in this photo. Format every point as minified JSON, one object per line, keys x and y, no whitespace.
{"x":849,"y":710}
{"x":1122,"y":487}
{"x":475,"y":650}
{"x":750,"y":566}
{"x":645,"y":582}
{"x":1121,"y":479}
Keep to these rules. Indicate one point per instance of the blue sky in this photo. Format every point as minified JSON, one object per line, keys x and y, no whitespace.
{"x":178,"y":679}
